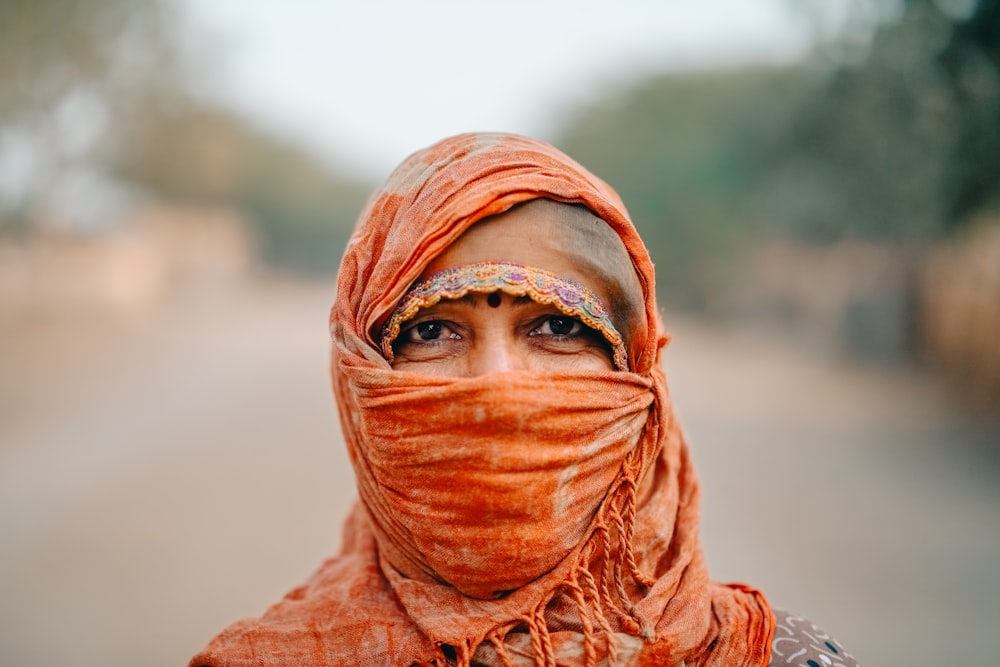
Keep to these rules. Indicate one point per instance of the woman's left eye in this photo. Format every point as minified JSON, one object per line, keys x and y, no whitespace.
{"x":558,"y":325}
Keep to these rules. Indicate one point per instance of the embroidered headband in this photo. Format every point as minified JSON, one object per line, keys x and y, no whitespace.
{"x":568,"y":296}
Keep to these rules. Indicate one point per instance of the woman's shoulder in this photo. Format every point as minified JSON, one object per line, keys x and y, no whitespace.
{"x":346,"y":613}
{"x":800,"y":643}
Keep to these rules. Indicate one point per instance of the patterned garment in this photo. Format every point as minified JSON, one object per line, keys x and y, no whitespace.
{"x":800,"y":643}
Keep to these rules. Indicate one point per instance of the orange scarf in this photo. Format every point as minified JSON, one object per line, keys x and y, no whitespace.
{"x":511,"y":519}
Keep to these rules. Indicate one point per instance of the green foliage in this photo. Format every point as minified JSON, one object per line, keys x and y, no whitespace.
{"x":971,"y":57}
{"x":685,"y":153}
{"x":301,"y":209}
{"x":74,"y":76}
{"x":49,"y":47}
{"x":902,"y":146}
{"x":98,"y":87}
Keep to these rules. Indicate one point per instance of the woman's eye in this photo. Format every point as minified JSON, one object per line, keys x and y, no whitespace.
{"x":427,"y":331}
{"x":559,"y":325}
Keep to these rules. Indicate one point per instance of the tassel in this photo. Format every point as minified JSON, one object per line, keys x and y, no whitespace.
{"x":541,"y":641}
{"x":548,"y":654}
{"x":501,"y":651}
{"x":588,"y":627}
{"x":597,"y":601}
{"x":629,"y":528}
{"x":463,"y":657}
{"x":611,"y":543}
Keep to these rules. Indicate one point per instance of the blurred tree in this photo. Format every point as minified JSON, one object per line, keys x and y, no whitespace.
{"x":905,"y":143}
{"x":96,"y":94}
{"x":971,"y":57}
{"x":893,"y":134}
{"x":301,"y":208}
{"x":73,"y":74}
{"x":681,"y":151}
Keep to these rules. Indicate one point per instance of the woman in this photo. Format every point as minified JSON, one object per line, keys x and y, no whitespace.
{"x":526,"y":493}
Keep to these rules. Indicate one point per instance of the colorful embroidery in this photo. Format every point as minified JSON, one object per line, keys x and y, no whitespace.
{"x":568,"y":296}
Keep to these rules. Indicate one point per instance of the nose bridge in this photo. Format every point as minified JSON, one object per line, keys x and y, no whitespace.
{"x":496,"y":351}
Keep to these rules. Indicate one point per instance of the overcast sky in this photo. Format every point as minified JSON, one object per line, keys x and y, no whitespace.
{"x":368,"y":82}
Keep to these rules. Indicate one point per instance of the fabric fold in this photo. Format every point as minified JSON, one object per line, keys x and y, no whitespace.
{"x":513,"y":518}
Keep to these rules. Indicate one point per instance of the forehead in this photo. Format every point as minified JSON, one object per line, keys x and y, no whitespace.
{"x":563,"y":239}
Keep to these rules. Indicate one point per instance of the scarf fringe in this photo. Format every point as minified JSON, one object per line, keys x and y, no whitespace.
{"x":611,"y":544}
{"x":501,"y":650}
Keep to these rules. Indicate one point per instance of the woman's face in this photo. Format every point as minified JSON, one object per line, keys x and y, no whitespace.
{"x":497,"y":332}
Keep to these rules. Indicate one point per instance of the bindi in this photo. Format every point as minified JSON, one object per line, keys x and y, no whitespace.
{"x":493,"y":299}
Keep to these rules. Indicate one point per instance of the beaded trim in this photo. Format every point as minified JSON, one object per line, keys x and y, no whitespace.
{"x":568,"y":296}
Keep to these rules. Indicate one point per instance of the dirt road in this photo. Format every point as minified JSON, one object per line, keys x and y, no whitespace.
{"x":165,"y":473}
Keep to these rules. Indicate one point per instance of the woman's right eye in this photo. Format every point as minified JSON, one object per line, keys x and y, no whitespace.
{"x":427,"y":331}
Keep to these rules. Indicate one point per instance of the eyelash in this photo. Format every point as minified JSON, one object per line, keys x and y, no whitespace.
{"x":411,"y":334}
{"x":577,"y":329}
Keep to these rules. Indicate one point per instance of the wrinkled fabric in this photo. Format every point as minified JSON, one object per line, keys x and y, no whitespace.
{"x":496,"y":504}
{"x":515,"y":518}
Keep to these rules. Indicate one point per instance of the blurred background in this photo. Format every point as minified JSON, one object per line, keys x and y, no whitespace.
{"x":818,"y":182}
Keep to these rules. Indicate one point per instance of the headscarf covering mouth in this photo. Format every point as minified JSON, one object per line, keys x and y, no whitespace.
{"x":598,"y":558}
{"x":636,"y":566}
